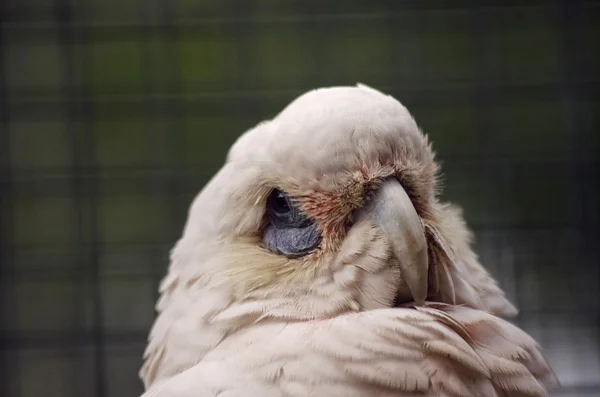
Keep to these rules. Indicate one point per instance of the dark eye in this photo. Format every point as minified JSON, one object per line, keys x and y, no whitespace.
{"x":282,"y":211}
{"x":278,"y":202}
{"x":290,"y":232}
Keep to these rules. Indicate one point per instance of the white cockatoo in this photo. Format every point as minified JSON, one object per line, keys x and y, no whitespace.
{"x":319,"y":262}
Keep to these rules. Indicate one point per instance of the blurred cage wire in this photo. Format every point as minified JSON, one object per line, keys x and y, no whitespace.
{"x":115,"y":113}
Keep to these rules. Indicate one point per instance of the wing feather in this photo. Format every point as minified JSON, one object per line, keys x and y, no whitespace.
{"x":437,"y":350}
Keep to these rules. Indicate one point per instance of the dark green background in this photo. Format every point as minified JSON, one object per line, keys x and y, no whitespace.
{"x":116,"y":112}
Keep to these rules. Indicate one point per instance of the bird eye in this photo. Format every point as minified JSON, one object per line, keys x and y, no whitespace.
{"x":278,"y":202}
{"x":290,"y":232}
{"x":282,"y":211}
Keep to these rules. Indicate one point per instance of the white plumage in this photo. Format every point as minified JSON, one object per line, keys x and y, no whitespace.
{"x":236,"y":319}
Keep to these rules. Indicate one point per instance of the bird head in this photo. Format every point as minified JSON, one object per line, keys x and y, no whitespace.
{"x":330,"y":207}
{"x":338,"y":190}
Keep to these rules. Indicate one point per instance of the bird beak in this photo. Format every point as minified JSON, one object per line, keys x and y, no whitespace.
{"x":391,"y":210}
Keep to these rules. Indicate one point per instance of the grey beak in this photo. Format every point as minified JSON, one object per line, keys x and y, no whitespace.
{"x":391,"y":210}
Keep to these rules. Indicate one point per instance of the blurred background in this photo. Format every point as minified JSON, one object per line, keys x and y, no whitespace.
{"x":114,"y":114}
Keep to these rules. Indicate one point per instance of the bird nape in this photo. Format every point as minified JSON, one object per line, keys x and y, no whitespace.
{"x":319,"y":261}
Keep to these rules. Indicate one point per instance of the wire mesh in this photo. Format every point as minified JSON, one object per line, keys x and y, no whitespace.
{"x":115,"y":113}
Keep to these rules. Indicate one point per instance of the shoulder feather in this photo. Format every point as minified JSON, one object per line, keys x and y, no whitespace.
{"x":436,"y":350}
